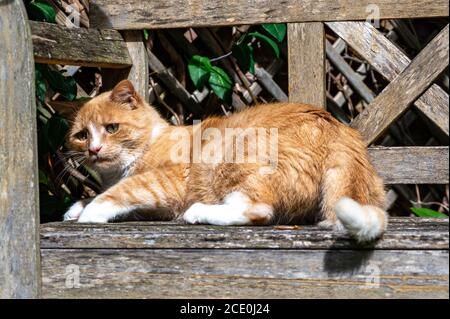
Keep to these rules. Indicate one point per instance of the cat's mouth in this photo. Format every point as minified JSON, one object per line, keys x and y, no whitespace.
{"x":100,"y":160}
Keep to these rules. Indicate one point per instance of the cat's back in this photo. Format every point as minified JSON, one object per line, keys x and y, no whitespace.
{"x":275,"y":115}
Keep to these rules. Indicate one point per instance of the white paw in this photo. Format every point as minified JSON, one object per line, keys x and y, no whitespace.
{"x":74,"y":211}
{"x":97,"y":213}
{"x":195,"y":214}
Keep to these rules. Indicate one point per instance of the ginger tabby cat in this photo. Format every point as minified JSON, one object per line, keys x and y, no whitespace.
{"x":285,"y":163}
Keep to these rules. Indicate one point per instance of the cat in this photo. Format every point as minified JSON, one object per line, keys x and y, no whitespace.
{"x":304,"y":166}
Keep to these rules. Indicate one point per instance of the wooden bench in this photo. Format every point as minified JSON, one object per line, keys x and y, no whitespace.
{"x":169,"y":260}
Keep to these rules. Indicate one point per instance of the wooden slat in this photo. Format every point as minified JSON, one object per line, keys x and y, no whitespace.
{"x":262,"y":273}
{"x":138,"y":14}
{"x":390,"y":61}
{"x":411,"y":165}
{"x":306,"y":46}
{"x":404,"y":89}
{"x":19,"y":204}
{"x":166,"y":259}
{"x":403,"y":233}
{"x":138,"y":73}
{"x":55,"y":44}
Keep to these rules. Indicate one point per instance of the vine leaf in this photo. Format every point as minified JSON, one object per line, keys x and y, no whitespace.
{"x":64,"y":85}
{"x":426,"y":212}
{"x":199,"y":68}
{"x":244,"y":56}
{"x":277,"y":30}
{"x":41,"y":88}
{"x":269,"y":41}
{"x":41,"y":11}
{"x":221,"y":84}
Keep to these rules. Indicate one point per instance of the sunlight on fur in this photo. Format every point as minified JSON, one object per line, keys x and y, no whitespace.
{"x":295,"y":164}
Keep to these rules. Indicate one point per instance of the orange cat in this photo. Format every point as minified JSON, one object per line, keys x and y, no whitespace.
{"x":272,"y":163}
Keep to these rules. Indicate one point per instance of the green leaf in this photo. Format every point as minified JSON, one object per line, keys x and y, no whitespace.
{"x":83,"y":99}
{"x":43,"y":178}
{"x":199,"y":68}
{"x":426,"y":212}
{"x":41,"y":88}
{"x":41,"y":11}
{"x":65,"y":85}
{"x":277,"y":30}
{"x":221,"y":84}
{"x":55,"y":132}
{"x":146,"y":34}
{"x":244,"y":55}
{"x":269,"y":41}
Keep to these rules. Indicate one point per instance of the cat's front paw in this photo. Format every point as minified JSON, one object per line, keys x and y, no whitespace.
{"x":74,"y":211}
{"x":98,"y":213}
{"x":196,"y":214}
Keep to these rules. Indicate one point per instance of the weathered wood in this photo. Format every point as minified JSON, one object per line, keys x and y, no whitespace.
{"x":138,"y":14}
{"x":306,"y":50}
{"x":195,"y":273}
{"x":138,"y":73}
{"x":354,"y":79}
{"x":403,"y":233}
{"x":411,"y":165}
{"x":55,"y":44}
{"x":265,"y":77}
{"x":156,"y":260}
{"x":404,"y":89}
{"x":385,"y":57}
{"x":19,"y":208}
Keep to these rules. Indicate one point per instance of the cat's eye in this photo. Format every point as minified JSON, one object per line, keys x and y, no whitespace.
{"x":112,"y":128}
{"x":82,"y":135}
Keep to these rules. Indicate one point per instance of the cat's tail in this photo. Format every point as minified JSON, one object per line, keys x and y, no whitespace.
{"x":363,"y":222}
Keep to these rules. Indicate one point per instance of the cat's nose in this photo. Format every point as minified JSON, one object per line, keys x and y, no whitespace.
{"x":94,"y":150}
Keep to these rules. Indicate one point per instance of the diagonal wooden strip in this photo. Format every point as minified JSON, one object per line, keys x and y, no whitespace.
{"x":405,"y":88}
{"x":306,"y":46}
{"x":389,"y":61}
{"x":355,"y":80}
{"x":55,"y":44}
{"x":138,"y":14}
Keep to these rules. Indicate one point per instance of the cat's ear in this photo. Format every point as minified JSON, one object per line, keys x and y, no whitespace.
{"x":68,"y":109}
{"x":124,"y":93}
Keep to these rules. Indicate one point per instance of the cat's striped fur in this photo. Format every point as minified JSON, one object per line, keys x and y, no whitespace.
{"x":322,"y":171}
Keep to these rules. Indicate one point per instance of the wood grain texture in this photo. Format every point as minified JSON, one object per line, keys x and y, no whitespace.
{"x":19,"y":203}
{"x":403,"y":233}
{"x":150,"y":14}
{"x":171,"y":260}
{"x":138,"y":73}
{"x":231,"y":273}
{"x":55,"y":44}
{"x":411,"y":165}
{"x":306,"y":51}
{"x":404,"y":89}
{"x":387,"y":59}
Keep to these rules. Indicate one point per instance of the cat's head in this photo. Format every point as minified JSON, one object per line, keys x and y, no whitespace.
{"x":109,"y":131}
